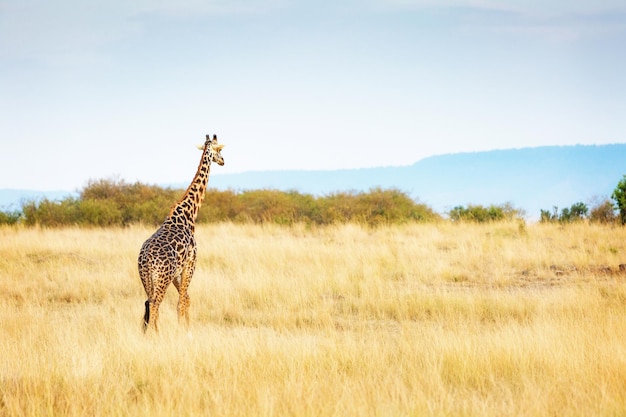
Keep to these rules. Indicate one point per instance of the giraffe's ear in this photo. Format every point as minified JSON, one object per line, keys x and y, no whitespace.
{"x":218,"y":147}
{"x":201,"y":147}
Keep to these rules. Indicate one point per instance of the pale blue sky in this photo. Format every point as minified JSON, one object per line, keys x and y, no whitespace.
{"x":94,"y":89}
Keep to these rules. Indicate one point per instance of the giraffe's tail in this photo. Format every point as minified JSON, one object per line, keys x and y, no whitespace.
{"x":146,"y":316}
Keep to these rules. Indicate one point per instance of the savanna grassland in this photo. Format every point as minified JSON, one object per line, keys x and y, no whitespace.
{"x":434,"y":319}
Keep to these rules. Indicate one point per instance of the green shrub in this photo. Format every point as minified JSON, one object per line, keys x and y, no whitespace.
{"x":273,"y":206}
{"x":576,"y":212}
{"x":51,"y":213}
{"x":10,"y":217}
{"x":603,"y":213}
{"x":482,"y":214}
{"x":111,"y":202}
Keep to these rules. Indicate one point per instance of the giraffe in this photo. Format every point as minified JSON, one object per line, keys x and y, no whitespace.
{"x":169,"y":255}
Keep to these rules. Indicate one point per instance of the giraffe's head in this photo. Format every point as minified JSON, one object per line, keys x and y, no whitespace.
{"x":214,"y":149}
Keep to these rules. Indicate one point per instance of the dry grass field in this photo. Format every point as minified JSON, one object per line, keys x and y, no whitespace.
{"x":416,"y":320}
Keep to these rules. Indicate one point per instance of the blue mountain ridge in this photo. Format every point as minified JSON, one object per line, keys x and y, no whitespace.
{"x":12,"y":199}
{"x":529,"y":178}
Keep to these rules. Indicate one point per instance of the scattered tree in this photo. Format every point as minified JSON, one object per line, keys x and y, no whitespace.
{"x":482,"y":214}
{"x":547,"y":216}
{"x":576,"y":212}
{"x":603,"y":212}
{"x":619,"y":195}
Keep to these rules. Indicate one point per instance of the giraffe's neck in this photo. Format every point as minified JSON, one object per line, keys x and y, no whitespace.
{"x":186,"y":210}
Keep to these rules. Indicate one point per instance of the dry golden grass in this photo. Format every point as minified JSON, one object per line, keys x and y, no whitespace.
{"x":441,"y":319}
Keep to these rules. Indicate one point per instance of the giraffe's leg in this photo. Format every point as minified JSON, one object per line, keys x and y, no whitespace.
{"x":185,"y":279}
{"x":144,"y":274}
{"x":181,"y":285}
{"x":154,"y":314}
{"x":155,"y":302}
{"x":182,"y":292}
{"x":183,"y":308}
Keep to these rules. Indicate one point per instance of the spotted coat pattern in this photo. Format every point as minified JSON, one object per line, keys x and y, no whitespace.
{"x":169,"y":255}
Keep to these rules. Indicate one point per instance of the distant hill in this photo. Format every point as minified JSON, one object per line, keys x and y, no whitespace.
{"x":529,"y":178}
{"x":12,"y":199}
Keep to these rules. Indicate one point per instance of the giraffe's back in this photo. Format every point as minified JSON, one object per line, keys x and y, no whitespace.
{"x":163,"y":255}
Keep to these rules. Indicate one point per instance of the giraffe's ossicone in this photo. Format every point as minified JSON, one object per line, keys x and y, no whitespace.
{"x":169,"y":255}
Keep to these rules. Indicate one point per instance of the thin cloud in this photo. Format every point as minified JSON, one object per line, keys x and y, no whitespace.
{"x":202,"y":7}
{"x":562,"y":32}
{"x":55,"y":31}
{"x":553,"y":21}
{"x":541,"y":9}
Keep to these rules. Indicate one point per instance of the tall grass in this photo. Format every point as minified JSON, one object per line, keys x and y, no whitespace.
{"x":439,"y":319}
